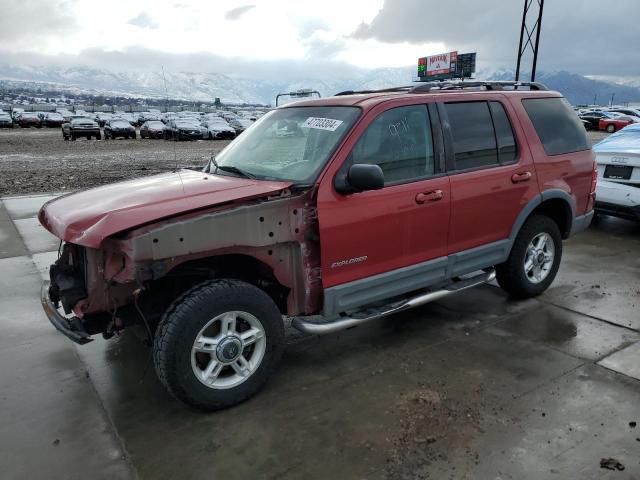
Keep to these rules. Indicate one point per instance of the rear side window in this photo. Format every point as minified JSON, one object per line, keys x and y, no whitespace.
{"x":474,"y":141}
{"x":558,"y":127}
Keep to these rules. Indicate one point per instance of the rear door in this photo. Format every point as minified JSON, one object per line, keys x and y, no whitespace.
{"x":491,"y":171}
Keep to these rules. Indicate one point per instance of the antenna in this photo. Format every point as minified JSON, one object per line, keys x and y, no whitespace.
{"x":166,"y":102}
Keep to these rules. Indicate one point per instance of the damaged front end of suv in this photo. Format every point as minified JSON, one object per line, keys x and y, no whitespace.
{"x":104,"y":283}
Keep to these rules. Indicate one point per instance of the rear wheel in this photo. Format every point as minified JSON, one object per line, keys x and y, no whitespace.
{"x":611,"y":128}
{"x":534,"y":259}
{"x":218,"y":344}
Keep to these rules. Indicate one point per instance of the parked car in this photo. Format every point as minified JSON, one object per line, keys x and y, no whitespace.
{"x":129,"y":117}
{"x":79,"y":126}
{"x":617,"y":200}
{"x":593,"y":117}
{"x":29,"y":119}
{"x":632,"y":112}
{"x":180,"y":129}
{"x":53,"y":119}
{"x":103,"y":117}
{"x":618,"y":156}
{"x":152,"y":129}
{"x":219,"y":129}
{"x":586,"y":124}
{"x":5,"y":120}
{"x":240,"y":124}
{"x":148,"y":116}
{"x":15,"y":113}
{"x":614,"y":124}
{"x":117,"y":127}
{"x":385,"y":202}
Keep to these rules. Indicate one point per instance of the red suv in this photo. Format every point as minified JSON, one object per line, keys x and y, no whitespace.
{"x":333,"y":211}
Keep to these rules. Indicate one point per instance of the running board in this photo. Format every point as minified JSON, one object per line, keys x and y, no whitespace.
{"x":350,"y":322}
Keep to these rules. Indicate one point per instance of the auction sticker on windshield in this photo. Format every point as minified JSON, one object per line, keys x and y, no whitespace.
{"x":330,"y":124}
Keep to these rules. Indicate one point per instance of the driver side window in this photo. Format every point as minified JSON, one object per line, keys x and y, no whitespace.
{"x":400,"y":142}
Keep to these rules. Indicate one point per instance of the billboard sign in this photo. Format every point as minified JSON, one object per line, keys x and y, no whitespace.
{"x":441,"y":64}
{"x":446,"y":65}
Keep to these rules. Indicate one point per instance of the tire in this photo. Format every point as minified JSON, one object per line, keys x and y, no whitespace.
{"x":73,"y":137}
{"x":513,"y":276}
{"x":611,"y":128}
{"x":180,"y":369}
{"x":98,"y":136}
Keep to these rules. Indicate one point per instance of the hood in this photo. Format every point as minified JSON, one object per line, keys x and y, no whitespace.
{"x":88,"y":217}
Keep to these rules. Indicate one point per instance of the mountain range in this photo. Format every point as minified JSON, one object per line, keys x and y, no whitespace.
{"x":206,"y":86}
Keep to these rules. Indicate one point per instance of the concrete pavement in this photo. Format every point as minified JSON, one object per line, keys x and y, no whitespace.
{"x":473,"y":386}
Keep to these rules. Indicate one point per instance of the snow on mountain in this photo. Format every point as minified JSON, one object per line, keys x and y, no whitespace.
{"x":205,"y":86}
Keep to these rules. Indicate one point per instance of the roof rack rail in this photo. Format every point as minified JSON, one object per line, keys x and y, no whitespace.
{"x":426,"y":87}
{"x":488,"y":85}
{"x":382,"y":90}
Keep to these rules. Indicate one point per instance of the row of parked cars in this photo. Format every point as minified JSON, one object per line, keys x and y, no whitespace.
{"x":170,"y":126}
{"x":30,"y":119}
{"x":152,"y":124}
{"x":609,"y":120}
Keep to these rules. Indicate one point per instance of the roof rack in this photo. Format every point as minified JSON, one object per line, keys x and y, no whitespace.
{"x":426,"y":87}
{"x":382,"y":90}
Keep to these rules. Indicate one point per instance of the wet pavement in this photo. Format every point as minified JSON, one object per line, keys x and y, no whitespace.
{"x":473,"y":386}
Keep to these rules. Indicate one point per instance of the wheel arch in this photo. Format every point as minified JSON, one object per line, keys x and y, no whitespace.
{"x":556,"y":204}
{"x":237,"y":266}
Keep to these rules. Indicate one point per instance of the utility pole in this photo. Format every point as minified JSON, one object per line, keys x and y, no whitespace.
{"x":595,"y":99}
{"x":525,"y":31}
{"x":612,"y":97}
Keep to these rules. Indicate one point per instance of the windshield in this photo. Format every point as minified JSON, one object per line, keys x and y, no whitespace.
{"x":290,"y":144}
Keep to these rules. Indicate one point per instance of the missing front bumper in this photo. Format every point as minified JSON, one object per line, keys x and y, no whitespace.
{"x":70,"y":327}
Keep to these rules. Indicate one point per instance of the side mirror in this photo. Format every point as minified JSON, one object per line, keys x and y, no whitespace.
{"x":359,"y":178}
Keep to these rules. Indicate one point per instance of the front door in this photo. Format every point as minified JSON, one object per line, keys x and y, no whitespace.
{"x":391,"y":240}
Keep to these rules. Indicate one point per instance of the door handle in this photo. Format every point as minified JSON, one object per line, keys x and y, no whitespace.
{"x":521,"y":177}
{"x":432,"y":196}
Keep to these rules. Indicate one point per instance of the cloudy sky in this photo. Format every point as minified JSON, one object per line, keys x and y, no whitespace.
{"x":261,"y":37}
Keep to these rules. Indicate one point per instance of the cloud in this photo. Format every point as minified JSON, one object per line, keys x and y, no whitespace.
{"x":236,"y":13}
{"x":152,"y":61}
{"x":143,"y":21}
{"x":581,"y":36}
{"x":35,"y":21}
{"x":311,"y":26}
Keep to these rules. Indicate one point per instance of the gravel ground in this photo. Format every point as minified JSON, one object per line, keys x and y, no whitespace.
{"x":39,"y":160}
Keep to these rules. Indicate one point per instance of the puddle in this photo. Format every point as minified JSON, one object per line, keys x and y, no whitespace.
{"x":546,"y":325}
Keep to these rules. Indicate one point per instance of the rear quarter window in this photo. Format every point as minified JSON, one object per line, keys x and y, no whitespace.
{"x":557,"y":126}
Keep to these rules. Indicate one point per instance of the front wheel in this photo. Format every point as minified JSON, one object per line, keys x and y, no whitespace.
{"x":218,"y":343}
{"x":611,"y":128}
{"x":534,"y":259}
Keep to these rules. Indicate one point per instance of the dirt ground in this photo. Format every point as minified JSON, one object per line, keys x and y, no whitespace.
{"x":40,"y":161}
